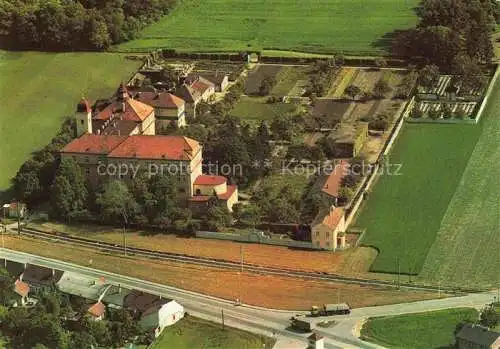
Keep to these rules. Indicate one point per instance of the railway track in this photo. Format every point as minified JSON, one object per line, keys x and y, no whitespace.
{"x":224,"y":264}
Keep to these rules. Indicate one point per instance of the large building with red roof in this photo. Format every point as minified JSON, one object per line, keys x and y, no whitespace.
{"x":123,"y":157}
{"x":169,"y":109}
{"x":121,"y":116}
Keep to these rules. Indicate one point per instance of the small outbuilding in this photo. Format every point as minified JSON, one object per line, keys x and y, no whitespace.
{"x":316,"y":341}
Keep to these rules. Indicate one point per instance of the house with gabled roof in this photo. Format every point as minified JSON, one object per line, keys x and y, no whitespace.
{"x":332,"y":183}
{"x":472,"y":336}
{"x":194,"y":91}
{"x":169,"y":109}
{"x":176,"y":156}
{"x":327,"y":229}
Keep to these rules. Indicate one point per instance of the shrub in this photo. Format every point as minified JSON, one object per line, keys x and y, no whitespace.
{"x":416,"y":113}
{"x":381,"y":88}
{"x":434,"y":114}
{"x":379,"y":123}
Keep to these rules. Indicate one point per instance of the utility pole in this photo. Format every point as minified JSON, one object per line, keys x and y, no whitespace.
{"x":222,"y":312}
{"x":124,"y":214}
{"x":338,"y":295}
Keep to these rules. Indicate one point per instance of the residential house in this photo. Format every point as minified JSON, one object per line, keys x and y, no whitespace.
{"x":154,"y":312}
{"x":473,"y":336}
{"x":15,"y":210}
{"x":21,"y":290}
{"x":40,"y":279}
{"x":219,"y":79}
{"x":333,"y":182}
{"x":175,"y":156}
{"x":169,"y":109}
{"x":97,"y":311}
{"x":195,"y":91}
{"x":122,"y":116}
{"x":216,"y":187}
{"x":327,"y":229}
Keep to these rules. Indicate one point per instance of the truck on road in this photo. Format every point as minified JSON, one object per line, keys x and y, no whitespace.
{"x":299,"y":323}
{"x":331,"y":309}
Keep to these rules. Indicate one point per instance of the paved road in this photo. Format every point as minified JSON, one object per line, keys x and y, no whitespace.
{"x":259,"y":320}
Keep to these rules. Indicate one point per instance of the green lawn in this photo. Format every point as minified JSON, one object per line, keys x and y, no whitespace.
{"x":430,"y":330}
{"x":37,"y":90}
{"x":255,"y":109}
{"x":191,"y":333}
{"x":309,"y":25}
{"x":403,"y":212}
{"x":468,"y":240}
{"x":287,"y":77}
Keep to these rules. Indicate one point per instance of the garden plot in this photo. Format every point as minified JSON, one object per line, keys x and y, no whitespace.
{"x":467,"y":108}
{"x":255,"y":77}
{"x":444,"y":88}
{"x":343,"y":79}
{"x":366,"y":79}
{"x":331,"y":111}
{"x":290,"y":77}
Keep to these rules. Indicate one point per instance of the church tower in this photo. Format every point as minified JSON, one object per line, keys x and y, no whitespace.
{"x":83,"y":118}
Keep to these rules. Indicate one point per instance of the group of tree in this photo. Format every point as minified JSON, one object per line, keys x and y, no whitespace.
{"x":322,"y":74}
{"x":76,"y":24}
{"x":61,"y":321}
{"x":34,"y":179}
{"x":452,"y":34}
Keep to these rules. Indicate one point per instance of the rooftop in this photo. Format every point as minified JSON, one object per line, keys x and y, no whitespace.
{"x":478,"y":335}
{"x":94,"y":144}
{"x":334,"y":181}
{"x":329,"y":217}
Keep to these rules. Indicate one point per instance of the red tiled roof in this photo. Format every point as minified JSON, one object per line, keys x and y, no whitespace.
{"x":200,"y":86}
{"x":21,"y":288}
{"x":210,"y":180}
{"x":160,"y":100}
{"x":84,"y":106}
{"x":97,"y":309}
{"x":333,"y":182}
{"x":227,"y":195}
{"x":333,"y":218}
{"x":93,"y":144}
{"x":156,"y":147}
{"x":134,"y":110}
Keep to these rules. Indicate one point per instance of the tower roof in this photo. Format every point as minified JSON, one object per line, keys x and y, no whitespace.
{"x":122,"y":92}
{"x":83,"y":106}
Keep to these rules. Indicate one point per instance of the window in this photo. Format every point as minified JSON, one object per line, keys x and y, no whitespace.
{"x":327,"y":244}
{"x":87,"y":159}
{"x":87,"y":171}
{"x":198,"y":192}
{"x":327,"y":234}
{"x":317,"y":234}
{"x":182,"y":190}
{"x":317,"y":243}
{"x":81,"y":121}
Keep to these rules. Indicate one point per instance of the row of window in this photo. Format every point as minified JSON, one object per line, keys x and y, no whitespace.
{"x":327,"y":234}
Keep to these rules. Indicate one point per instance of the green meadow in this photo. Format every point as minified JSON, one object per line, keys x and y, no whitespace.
{"x":38,"y":90}
{"x":322,"y":26}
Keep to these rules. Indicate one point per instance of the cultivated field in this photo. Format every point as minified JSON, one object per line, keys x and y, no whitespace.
{"x":361,"y":26}
{"x":256,"y":76}
{"x":418,"y":331}
{"x":255,"y":289}
{"x":466,"y":251}
{"x":255,"y":109}
{"x":403,"y":212}
{"x":37,"y":90}
{"x":192,"y":333}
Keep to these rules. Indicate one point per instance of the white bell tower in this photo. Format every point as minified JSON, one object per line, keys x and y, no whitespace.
{"x":83,"y":118}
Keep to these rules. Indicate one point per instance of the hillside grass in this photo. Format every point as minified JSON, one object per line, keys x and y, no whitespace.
{"x":38,"y":90}
{"x":466,"y":248}
{"x":321,"y":26}
{"x":403,"y":213}
{"x":192,"y":332}
{"x":417,"y":331}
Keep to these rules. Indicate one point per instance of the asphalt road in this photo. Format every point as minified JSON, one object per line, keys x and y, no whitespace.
{"x":259,"y":320}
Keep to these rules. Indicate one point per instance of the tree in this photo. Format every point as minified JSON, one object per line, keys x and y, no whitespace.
{"x":428,"y":76}
{"x":69,"y":193}
{"x":218,"y":217}
{"x":381,"y":88}
{"x":267,"y":85}
{"x":116,"y":202}
{"x":283,"y":211}
{"x":164,"y":194}
{"x":378,"y":123}
{"x":251,"y":215}
{"x":489,"y":317}
{"x":282,"y":128}
{"x":416,"y":113}
{"x":433,"y":113}
{"x":352,"y":91}
{"x":346,"y":194}
{"x":169,"y":77}
{"x":82,"y":340}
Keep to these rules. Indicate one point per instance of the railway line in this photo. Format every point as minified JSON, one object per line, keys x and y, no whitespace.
{"x":223,"y":264}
